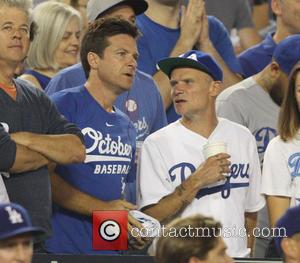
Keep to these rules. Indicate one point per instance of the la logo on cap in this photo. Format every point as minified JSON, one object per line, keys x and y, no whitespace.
{"x":193,"y":57}
{"x":14,"y":216}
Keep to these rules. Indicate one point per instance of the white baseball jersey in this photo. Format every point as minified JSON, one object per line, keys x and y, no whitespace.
{"x":172,"y":154}
{"x":248,"y":104}
{"x":281,"y":169}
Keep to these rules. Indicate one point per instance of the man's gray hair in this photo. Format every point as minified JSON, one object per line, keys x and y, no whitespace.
{"x":24,"y":5}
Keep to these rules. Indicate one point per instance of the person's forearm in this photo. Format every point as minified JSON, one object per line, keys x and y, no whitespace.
{"x":248,"y":37}
{"x":27,"y":160}
{"x":72,"y":199}
{"x":250,"y":223}
{"x":171,"y":205}
{"x":277,"y":206}
{"x":229,"y":78}
{"x":62,"y":149}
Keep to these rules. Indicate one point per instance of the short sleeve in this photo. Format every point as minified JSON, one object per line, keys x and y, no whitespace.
{"x":153,"y":183}
{"x":8,"y":149}
{"x":276,"y":178}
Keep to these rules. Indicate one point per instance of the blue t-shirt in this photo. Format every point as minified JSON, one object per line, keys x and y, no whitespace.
{"x":41,"y":78}
{"x":158,"y":41}
{"x":256,"y":58}
{"x":142,"y":103}
{"x":110,"y":148}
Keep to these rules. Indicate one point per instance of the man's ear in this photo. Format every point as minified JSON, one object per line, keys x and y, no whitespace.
{"x":275,"y":70}
{"x":215,"y":88}
{"x":93,"y":60}
{"x":289,"y":248}
{"x":276,"y":7}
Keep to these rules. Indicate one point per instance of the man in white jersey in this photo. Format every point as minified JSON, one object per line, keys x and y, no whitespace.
{"x":255,"y":104}
{"x":175,"y":179}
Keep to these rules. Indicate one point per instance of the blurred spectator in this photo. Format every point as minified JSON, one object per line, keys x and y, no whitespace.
{"x":255,"y":104}
{"x":35,"y":133}
{"x":281,"y":175}
{"x":256,"y":58}
{"x":108,"y":55}
{"x":56,"y":44}
{"x":235,"y":14}
{"x":177,"y":180}
{"x":198,"y":240}
{"x":79,"y":5}
{"x":16,"y":234}
{"x":160,"y":24}
{"x":289,"y":245}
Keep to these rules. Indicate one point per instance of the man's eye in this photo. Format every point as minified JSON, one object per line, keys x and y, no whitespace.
{"x":188,"y":81}
{"x":173,"y":83}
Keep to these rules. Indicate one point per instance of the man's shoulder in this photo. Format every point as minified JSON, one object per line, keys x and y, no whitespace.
{"x":237,"y":91}
{"x":73,"y":94}
{"x":235,"y":128}
{"x":72,"y":70}
{"x":28,"y":89}
{"x":163,"y":134}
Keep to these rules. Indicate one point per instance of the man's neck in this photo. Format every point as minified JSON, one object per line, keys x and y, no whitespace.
{"x":203,"y":125}
{"x":164,"y":15}
{"x":281,"y":32}
{"x":263,"y":80}
{"x":7,"y":73}
{"x":104,"y":96}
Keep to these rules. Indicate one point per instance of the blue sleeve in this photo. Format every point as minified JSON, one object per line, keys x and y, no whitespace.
{"x":221,"y":41}
{"x":8,"y":149}
{"x":57,"y":83}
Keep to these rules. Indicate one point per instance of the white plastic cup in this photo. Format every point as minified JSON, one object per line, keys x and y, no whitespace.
{"x":211,"y":149}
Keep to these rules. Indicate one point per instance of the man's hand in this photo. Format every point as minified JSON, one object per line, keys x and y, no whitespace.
{"x":204,"y":40}
{"x":191,"y":21}
{"x":136,"y":241}
{"x":212,"y":170}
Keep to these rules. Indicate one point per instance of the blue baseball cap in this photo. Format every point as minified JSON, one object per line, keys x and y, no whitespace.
{"x":192,"y":59}
{"x":287,"y":53}
{"x":14,"y":220}
{"x":290,"y":221}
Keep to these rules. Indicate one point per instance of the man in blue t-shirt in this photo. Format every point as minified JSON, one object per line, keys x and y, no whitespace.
{"x":254,"y":59}
{"x":163,"y":37}
{"x":109,"y":58}
{"x":143,"y":103}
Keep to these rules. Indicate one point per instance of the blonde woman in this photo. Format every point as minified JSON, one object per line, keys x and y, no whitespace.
{"x":281,"y":169}
{"x":56,"y":43}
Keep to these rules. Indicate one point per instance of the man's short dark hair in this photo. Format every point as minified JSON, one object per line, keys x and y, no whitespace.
{"x":195,"y":237}
{"x":96,"y":38}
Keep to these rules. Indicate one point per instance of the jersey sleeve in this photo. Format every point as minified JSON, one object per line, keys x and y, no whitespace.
{"x":276,"y":178}
{"x":255,"y":200}
{"x":152,"y":181}
{"x":8,"y":149}
{"x":57,"y":83}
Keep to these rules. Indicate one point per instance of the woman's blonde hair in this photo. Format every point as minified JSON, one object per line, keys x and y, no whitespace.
{"x":52,"y":19}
